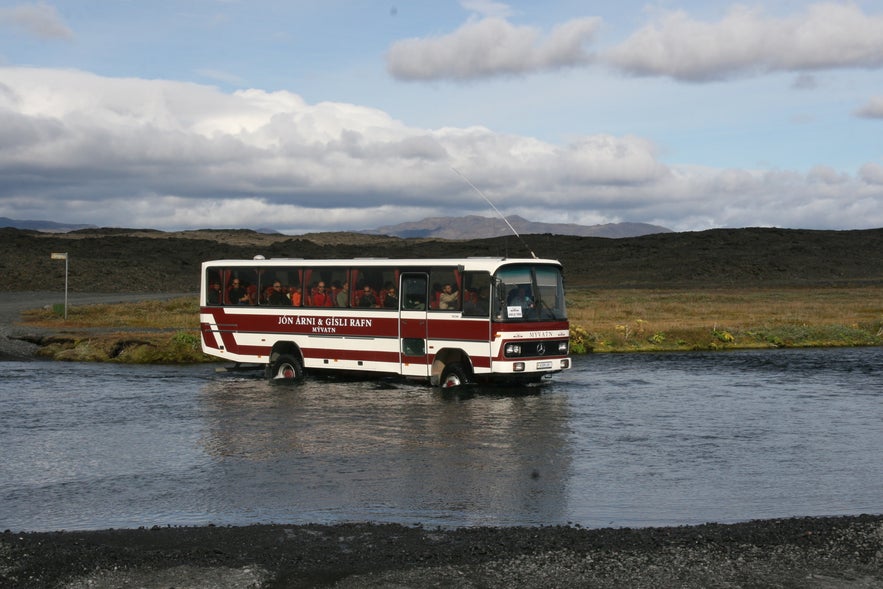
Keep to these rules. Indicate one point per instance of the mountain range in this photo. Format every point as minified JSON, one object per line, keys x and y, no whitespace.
{"x":47,"y":226}
{"x":477,"y":227}
{"x":455,"y":228}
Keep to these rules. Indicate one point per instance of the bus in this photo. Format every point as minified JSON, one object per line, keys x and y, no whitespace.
{"x":448,"y":322}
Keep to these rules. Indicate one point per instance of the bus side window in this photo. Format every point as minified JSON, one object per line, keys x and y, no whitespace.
{"x":413,"y":293}
{"x":213,"y":293}
{"x":476,"y":297}
{"x":446,"y":290}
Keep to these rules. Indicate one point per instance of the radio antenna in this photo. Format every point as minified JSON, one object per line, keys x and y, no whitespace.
{"x":488,"y":201}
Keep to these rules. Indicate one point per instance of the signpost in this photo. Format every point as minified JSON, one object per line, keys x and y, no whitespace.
{"x":62,"y":256}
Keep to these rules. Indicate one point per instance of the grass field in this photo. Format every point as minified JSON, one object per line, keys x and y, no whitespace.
{"x":602,"y":320}
{"x":627,"y":320}
{"x":147,"y":332}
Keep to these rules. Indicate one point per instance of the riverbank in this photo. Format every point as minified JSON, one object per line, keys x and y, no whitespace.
{"x":814,"y":553}
{"x":24,"y":339}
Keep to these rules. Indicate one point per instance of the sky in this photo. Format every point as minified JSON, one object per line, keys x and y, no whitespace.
{"x":330,"y":115}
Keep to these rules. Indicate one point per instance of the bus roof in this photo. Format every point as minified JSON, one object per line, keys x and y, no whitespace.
{"x":470,"y":263}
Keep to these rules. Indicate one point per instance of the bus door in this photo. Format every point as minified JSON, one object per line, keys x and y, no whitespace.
{"x":413,"y":325}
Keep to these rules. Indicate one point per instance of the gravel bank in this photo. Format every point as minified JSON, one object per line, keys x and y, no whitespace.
{"x":824,"y":553}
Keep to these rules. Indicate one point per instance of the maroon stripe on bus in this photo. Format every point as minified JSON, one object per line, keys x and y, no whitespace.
{"x":332,"y":354}
{"x":457,"y":329}
{"x":208,"y":336}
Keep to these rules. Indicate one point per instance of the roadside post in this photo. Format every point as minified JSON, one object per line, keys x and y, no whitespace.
{"x":62,"y":256}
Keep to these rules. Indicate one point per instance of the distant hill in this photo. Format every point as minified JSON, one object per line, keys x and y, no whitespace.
{"x":48,"y":226}
{"x":458,"y":228}
{"x":477,"y":227}
{"x":138,"y":260}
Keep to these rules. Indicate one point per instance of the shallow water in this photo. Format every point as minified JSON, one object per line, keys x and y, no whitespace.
{"x":620,"y":440}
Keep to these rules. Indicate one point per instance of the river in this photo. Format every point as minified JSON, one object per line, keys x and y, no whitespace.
{"x":622,"y":440}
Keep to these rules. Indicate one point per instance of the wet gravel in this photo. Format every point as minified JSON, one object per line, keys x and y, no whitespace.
{"x":837,"y":552}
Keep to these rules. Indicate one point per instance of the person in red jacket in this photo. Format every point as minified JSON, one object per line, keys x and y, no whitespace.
{"x":321,"y":298}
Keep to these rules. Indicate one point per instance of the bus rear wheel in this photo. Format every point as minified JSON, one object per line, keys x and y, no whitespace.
{"x":287,"y":368}
{"x":454,"y":375}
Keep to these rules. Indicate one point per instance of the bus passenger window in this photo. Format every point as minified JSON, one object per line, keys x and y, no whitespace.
{"x":213,"y":293}
{"x":445,"y":289}
{"x":414,"y":293}
{"x":476,"y":297}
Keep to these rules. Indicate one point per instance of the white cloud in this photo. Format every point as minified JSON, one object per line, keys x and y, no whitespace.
{"x":40,"y":20}
{"x":873,"y":109}
{"x":81,"y":148}
{"x":745,"y":41}
{"x":872,"y":174}
{"x":491,"y":47}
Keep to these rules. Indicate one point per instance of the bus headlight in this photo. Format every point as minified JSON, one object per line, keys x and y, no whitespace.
{"x":562,"y":347}
{"x":518,"y":367}
{"x":512,"y":350}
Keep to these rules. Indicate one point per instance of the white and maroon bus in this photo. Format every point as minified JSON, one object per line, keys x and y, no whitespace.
{"x":446,"y":321}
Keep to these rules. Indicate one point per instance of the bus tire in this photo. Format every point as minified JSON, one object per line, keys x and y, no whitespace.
{"x":454,"y":375}
{"x":287,"y":367}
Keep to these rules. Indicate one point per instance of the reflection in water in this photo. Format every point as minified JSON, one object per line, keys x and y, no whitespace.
{"x":337,"y":449}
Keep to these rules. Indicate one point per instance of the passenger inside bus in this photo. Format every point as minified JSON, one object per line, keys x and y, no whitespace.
{"x":343,"y":295}
{"x":320,"y":297}
{"x":238,"y":294}
{"x":296,"y":296}
{"x":367,"y":299}
{"x":449,"y":298}
{"x":213,"y":296}
{"x":390,"y":301}
{"x":476,"y":302}
{"x":277,"y":296}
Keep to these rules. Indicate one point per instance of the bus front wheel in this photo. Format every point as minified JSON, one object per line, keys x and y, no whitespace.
{"x":454,"y":375}
{"x":287,"y":368}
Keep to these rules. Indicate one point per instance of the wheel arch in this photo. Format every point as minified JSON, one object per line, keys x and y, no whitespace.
{"x":288,"y":348}
{"x":447,"y":356}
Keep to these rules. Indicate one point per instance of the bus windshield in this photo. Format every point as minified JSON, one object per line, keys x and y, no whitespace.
{"x":529,"y":293}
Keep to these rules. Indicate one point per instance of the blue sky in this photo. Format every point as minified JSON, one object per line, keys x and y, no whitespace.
{"x":331,"y":115}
